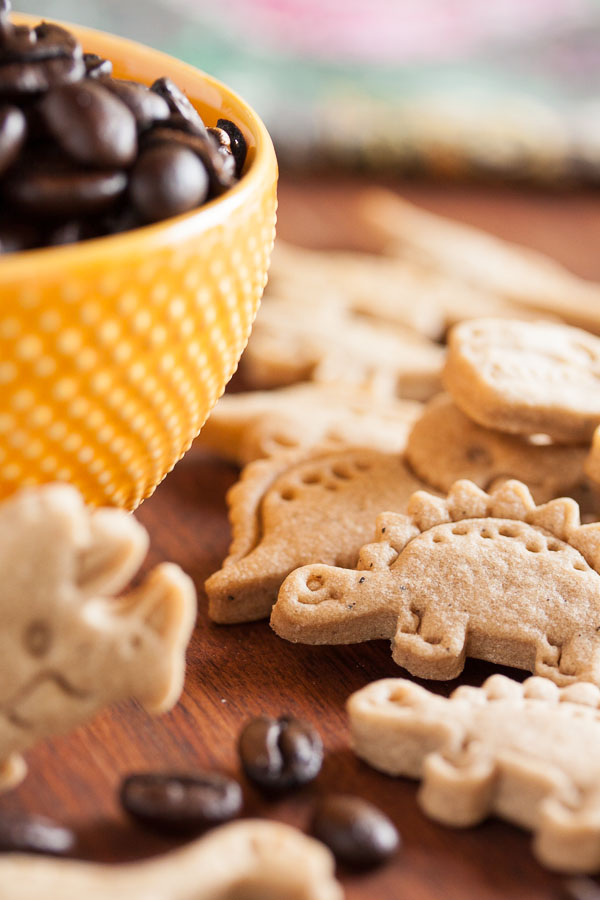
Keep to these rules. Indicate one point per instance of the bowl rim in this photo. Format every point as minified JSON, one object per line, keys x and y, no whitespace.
{"x":262,"y":168}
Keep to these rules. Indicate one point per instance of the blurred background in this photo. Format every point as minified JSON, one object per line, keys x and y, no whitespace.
{"x":453,"y":89}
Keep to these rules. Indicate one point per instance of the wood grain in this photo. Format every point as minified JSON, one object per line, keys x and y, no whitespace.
{"x":238,"y":671}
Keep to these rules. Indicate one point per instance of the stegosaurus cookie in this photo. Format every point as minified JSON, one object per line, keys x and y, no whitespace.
{"x":296,"y":508}
{"x":491,"y":576}
{"x":529,"y":753}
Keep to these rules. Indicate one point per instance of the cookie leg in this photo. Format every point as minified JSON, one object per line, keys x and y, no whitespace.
{"x":580,"y":659}
{"x":431,"y":646}
{"x":568,"y":837}
{"x":321,"y":604}
{"x":12,"y":771}
{"x":457,"y":793}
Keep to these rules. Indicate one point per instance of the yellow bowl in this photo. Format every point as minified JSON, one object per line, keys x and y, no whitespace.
{"x":113,"y":351}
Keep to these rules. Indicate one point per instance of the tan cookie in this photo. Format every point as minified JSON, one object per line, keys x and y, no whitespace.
{"x":529,"y":753}
{"x":68,"y":647}
{"x":254,"y":424}
{"x":296,"y":508}
{"x":481,"y":260}
{"x":290,"y":343}
{"x":592,"y":463}
{"x":526,"y":377}
{"x":445,"y":445}
{"x":490,"y":576}
{"x":246,"y":859}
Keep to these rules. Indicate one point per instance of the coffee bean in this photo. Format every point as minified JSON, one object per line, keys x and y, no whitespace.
{"x":96,"y":66}
{"x":239,"y":148}
{"x":34,"y":834}
{"x":90,"y":124}
{"x":13,"y":129}
{"x":167,"y":180}
{"x":15,"y":236}
{"x":181,"y":803}
{"x":220,"y":169}
{"x":45,"y":41}
{"x":280,"y":754}
{"x":355,"y":831}
{"x":222,"y":139}
{"x":147,"y":106}
{"x":179,"y":104}
{"x":34,"y":78}
{"x":55,"y":190}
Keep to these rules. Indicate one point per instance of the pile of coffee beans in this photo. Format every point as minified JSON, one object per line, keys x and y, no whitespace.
{"x":83,"y":154}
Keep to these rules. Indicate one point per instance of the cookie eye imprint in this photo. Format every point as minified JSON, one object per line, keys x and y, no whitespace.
{"x":37,"y":638}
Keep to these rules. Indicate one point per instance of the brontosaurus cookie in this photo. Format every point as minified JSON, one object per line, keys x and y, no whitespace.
{"x":296,"y":508}
{"x":68,"y":645}
{"x":490,"y":576}
{"x":326,"y":343}
{"x":445,"y":445}
{"x":526,"y":377}
{"x":529,"y":753}
{"x":254,"y":424}
{"x":238,"y":861}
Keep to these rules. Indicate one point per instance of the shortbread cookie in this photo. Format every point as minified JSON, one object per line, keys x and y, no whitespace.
{"x":68,"y":647}
{"x":297,"y":508}
{"x":445,"y":445}
{"x":526,"y":377}
{"x":254,"y":424}
{"x":490,"y":576}
{"x":592,"y":463}
{"x":481,"y":260}
{"x":246,"y":859}
{"x":529,"y":753}
{"x":289,"y":345}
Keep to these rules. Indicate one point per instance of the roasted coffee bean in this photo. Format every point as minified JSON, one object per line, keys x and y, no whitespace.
{"x":280,"y":754}
{"x":167,"y":180}
{"x":90,"y":124}
{"x":13,"y":129}
{"x":34,"y":834}
{"x":15,"y":236}
{"x":220,"y":169}
{"x":54,"y":190}
{"x":239,"y":148}
{"x":34,"y":78}
{"x":181,"y":803}
{"x":179,"y":104}
{"x":147,"y":106}
{"x":45,"y":41}
{"x":355,"y":831}
{"x":96,"y":66}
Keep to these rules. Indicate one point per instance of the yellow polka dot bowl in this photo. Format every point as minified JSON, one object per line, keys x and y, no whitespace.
{"x":113,"y":351}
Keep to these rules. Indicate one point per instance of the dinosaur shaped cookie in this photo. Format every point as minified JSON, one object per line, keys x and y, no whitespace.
{"x":255,"y":424}
{"x":529,"y":753}
{"x":68,"y":645}
{"x":295,"y":508}
{"x":445,"y":445}
{"x":238,"y":861}
{"x":491,"y":576}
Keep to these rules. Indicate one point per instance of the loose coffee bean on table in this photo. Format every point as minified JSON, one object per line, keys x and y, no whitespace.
{"x":83,"y":154}
{"x":181,"y":803}
{"x":280,"y":754}
{"x":34,"y":834}
{"x":355,"y":831}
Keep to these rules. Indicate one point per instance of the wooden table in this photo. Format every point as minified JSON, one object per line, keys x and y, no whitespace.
{"x":238,"y":671}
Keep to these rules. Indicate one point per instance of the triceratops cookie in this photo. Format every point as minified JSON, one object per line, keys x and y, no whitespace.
{"x":526,"y":377}
{"x":68,"y":646}
{"x":333,"y":345}
{"x":491,"y":576}
{"x":529,"y":753}
{"x":296,"y":508}
{"x":445,"y":445}
{"x":254,"y":424}
{"x":246,"y":859}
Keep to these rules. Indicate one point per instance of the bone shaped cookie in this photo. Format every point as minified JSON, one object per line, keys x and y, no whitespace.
{"x":246,"y":859}
{"x":529,"y":753}
{"x":526,"y":377}
{"x":445,"y":445}
{"x":491,"y":576}
{"x":254,"y":424}
{"x":68,"y":646}
{"x":295,"y":508}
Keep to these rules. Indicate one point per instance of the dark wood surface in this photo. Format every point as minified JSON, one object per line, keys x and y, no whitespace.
{"x":238,"y":671}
